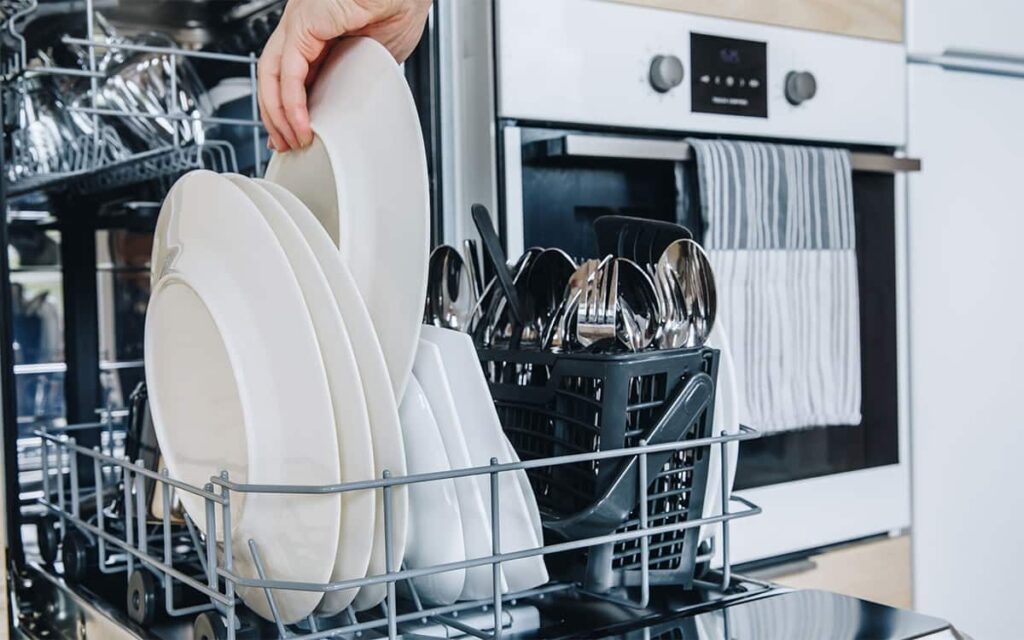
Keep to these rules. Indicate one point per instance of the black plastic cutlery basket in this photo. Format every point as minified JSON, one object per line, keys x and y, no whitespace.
{"x":554,"y":404}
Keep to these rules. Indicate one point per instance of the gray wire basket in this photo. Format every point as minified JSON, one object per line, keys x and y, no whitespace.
{"x":563,"y":404}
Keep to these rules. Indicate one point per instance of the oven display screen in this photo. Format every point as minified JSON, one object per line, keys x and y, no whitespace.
{"x":729,"y":76}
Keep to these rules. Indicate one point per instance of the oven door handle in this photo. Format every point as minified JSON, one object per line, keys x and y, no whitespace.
{"x":576,"y":145}
{"x":610,"y":147}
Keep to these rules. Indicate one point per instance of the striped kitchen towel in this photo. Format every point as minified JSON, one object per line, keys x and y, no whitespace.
{"x":780,"y":235}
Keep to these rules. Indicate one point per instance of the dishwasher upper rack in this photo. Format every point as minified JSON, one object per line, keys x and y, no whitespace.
{"x":148,"y":555}
{"x":95,"y":164}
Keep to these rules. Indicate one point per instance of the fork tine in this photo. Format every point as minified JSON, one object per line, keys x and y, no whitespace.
{"x":613,"y":295}
{"x":597,"y":317}
{"x":581,"y":309}
{"x":595,"y":293}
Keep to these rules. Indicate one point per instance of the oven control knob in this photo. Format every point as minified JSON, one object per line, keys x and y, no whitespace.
{"x":666,"y":73}
{"x":800,"y":86}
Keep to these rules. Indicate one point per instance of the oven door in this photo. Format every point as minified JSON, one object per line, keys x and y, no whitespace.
{"x":819,"y":486}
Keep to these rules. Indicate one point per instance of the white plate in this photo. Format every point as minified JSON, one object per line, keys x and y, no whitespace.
{"x":485,"y":440}
{"x":388,"y":446}
{"x":365,"y":178}
{"x":726,"y":418}
{"x":527,"y":489}
{"x":476,"y":520}
{"x":236,"y":382}
{"x":435,"y":522}
{"x":350,"y":413}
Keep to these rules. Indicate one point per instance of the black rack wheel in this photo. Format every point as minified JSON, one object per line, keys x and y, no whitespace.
{"x":143,"y":596}
{"x":48,"y":539}
{"x":78,"y":555}
{"x":209,"y":626}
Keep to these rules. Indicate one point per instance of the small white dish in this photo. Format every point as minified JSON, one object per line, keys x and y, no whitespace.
{"x":228,"y":335}
{"x":476,"y":520}
{"x":350,"y":414}
{"x":388,"y":445}
{"x":485,"y":440}
{"x":726,"y":419}
{"x":435,"y":521}
{"x":527,"y":489}
{"x":365,"y":179}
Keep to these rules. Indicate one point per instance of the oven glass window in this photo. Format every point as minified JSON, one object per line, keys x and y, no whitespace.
{"x":562,"y":197}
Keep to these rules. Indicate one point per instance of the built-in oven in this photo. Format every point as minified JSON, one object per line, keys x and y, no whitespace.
{"x":599,"y":121}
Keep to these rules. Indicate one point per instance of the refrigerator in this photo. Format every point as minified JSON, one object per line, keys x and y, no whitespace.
{"x":966,"y":219}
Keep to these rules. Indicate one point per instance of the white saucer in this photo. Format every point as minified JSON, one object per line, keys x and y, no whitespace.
{"x":388,"y":445}
{"x":365,"y":178}
{"x":228,"y":336}
{"x":435,"y":521}
{"x":476,"y":519}
{"x":485,"y":439}
{"x":350,"y":413}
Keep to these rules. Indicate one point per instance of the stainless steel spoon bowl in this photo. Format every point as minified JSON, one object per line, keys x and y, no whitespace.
{"x":451,"y":295}
{"x":638,"y":320}
{"x":689,"y":285}
{"x":545,"y":286}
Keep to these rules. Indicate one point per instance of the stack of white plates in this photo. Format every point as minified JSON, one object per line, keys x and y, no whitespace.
{"x":280,"y":342}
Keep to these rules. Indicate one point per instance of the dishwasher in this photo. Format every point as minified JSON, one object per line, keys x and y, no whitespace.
{"x":105,"y":104}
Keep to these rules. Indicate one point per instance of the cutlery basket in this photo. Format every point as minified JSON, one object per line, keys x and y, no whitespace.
{"x":554,"y":404}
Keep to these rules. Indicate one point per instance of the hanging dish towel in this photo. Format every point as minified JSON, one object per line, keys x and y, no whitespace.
{"x":780,"y":235}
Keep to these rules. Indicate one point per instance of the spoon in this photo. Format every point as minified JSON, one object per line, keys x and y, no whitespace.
{"x":638,"y":306}
{"x":451,"y":295}
{"x":689,"y":289}
{"x":544,"y":285}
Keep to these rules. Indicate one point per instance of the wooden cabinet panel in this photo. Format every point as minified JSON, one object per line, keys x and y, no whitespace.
{"x":878,"y":571}
{"x":878,"y":19}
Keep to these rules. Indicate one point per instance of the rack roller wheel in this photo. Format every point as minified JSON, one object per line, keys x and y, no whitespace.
{"x":209,"y":626}
{"x":48,"y":539}
{"x":143,"y":595}
{"x":78,"y":555}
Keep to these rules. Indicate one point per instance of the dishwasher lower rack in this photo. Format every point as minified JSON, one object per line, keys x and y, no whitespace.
{"x":161,"y":568}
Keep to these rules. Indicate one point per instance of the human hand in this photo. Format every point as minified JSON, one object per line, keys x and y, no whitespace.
{"x":293,"y":53}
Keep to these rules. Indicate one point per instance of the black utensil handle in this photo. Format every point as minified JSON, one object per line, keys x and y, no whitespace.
{"x":639,"y":239}
{"x":492,"y":246}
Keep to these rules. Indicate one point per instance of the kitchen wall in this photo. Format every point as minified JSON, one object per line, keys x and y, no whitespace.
{"x":880,"y":19}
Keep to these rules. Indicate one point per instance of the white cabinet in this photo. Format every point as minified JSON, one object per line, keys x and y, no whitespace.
{"x":985,"y":25}
{"x":966,"y":266}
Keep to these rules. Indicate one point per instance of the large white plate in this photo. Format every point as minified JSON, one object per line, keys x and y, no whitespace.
{"x":388,"y":445}
{"x":435,"y":521}
{"x":476,"y":521}
{"x":485,"y":439}
{"x":727,"y":419}
{"x":365,"y":178}
{"x":350,"y":413}
{"x":236,"y":382}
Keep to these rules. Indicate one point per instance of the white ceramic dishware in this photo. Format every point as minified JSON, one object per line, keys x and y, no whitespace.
{"x":388,"y":445}
{"x":485,"y":440}
{"x":435,"y":521}
{"x":726,"y":419}
{"x":476,"y":521}
{"x":350,"y":413}
{"x":228,"y":335}
{"x":365,"y":178}
{"x":527,"y":489}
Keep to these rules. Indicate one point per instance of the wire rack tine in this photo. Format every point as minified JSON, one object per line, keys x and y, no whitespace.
{"x":496,"y":548}
{"x":271,"y":600}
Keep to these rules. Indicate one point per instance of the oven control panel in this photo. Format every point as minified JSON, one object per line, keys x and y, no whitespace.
{"x":728,"y":76}
{"x":622,"y":66}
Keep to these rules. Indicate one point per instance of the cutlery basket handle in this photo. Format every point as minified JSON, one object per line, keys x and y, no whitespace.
{"x":612,"y":508}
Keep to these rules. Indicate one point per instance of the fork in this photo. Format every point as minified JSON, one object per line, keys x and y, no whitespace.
{"x":595,"y":316}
